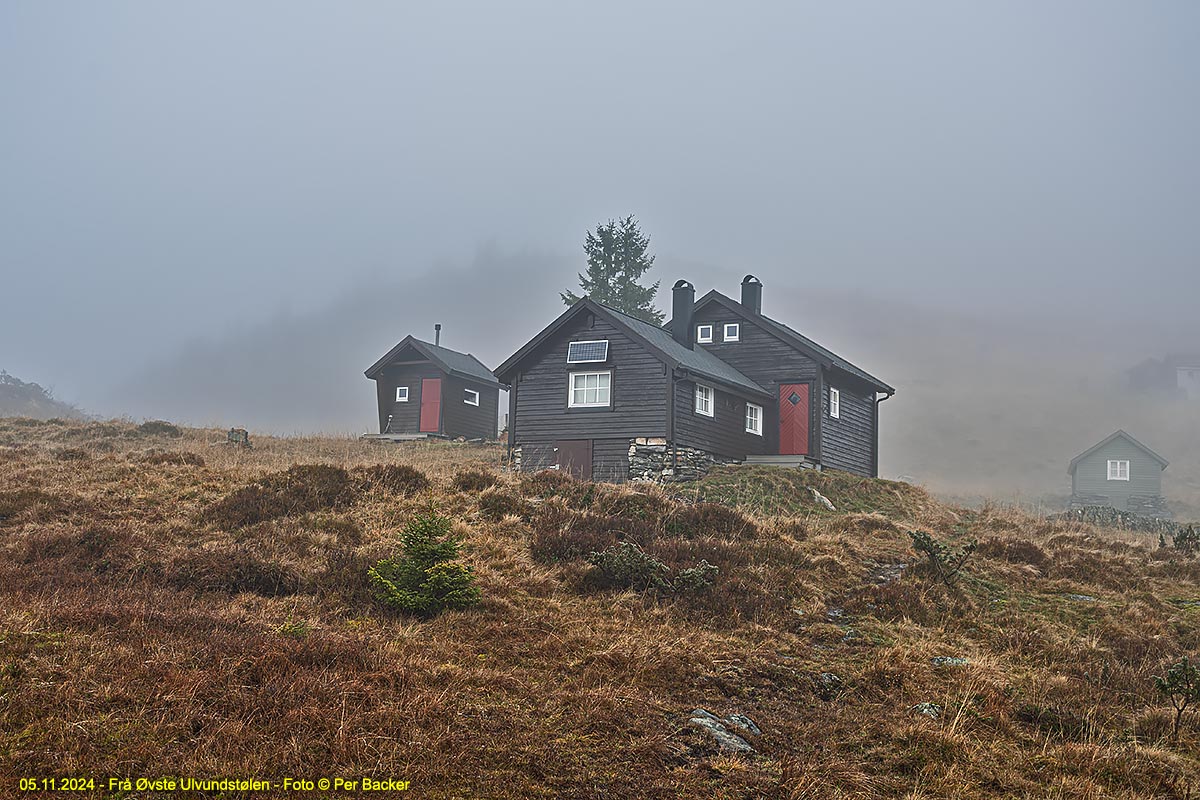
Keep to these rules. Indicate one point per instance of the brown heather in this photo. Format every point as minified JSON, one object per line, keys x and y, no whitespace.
{"x":170,"y":605}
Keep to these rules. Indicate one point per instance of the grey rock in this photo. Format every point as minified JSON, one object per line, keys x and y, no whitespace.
{"x":822,"y":499}
{"x":949,"y":661}
{"x":726,"y":741}
{"x":886,"y":573}
{"x":1080,"y":598}
{"x":828,"y":685}
{"x":743,"y":723}
{"x":931,"y":710}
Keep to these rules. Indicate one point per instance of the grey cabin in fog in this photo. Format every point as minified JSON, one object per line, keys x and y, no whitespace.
{"x":1120,"y":472}
{"x":611,"y":397}
{"x":426,"y":390}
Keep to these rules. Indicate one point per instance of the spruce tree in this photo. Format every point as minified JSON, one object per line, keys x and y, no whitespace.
{"x":617,"y":256}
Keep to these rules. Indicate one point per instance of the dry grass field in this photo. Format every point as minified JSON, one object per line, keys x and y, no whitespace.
{"x":173,"y":606}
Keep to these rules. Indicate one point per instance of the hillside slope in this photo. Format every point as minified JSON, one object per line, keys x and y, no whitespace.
{"x":172,"y":606}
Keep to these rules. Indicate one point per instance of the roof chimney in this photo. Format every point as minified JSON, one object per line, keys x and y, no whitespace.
{"x":752,"y":294}
{"x":683,"y":302}
{"x":437,"y":333}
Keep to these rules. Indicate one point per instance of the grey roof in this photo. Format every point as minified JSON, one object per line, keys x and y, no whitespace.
{"x":658,"y":341}
{"x":786,"y":332}
{"x":697,"y":360}
{"x":464,"y":365}
{"x":1117,"y":435}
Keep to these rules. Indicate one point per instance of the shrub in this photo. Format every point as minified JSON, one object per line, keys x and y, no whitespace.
{"x":695,"y":579}
{"x":1186,"y":539}
{"x":941,"y":560}
{"x":298,"y":490}
{"x":18,"y":501}
{"x":72,"y":454}
{"x":157,"y":427}
{"x":474,"y":480}
{"x":560,"y":534}
{"x":421,"y":579}
{"x":230,"y":571}
{"x":178,"y":459}
{"x":1180,"y":685}
{"x":627,"y":566}
{"x":395,"y":478}
{"x":1016,"y":551}
{"x":549,"y":482}
{"x":496,"y":504}
{"x":710,"y":519}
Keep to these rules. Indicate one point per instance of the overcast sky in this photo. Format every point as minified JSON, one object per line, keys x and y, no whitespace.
{"x":173,"y":175}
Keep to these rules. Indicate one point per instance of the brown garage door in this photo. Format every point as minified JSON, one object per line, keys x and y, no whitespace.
{"x":575,"y":457}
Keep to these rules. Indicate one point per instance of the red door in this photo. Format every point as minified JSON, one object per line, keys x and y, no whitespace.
{"x":793,"y":419}
{"x":431,"y":405}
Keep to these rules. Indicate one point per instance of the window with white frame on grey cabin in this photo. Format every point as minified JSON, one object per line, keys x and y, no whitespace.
{"x":733,"y":332}
{"x":401,"y":394}
{"x":754,"y":419}
{"x":471,"y":397}
{"x":704,"y":400}
{"x":704,"y":334}
{"x":1118,"y":470}
{"x":589,"y":351}
{"x":835,"y":403}
{"x":589,"y":389}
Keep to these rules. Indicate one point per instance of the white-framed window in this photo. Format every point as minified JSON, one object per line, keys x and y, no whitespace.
{"x":704,"y":334}
{"x":704,"y":400}
{"x":835,"y":403}
{"x":589,"y":389}
{"x":754,"y":419}
{"x":471,"y":397}
{"x":733,"y":332}
{"x":587,"y":352}
{"x":401,"y":394}
{"x":1118,"y":470}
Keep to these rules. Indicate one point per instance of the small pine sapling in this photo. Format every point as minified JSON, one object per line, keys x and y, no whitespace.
{"x":1181,"y":685}
{"x":423,"y":580}
{"x":942,"y":560}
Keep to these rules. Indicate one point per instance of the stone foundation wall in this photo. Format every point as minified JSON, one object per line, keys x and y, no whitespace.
{"x":650,"y":460}
{"x":1109,"y":517}
{"x":1149,"y":505}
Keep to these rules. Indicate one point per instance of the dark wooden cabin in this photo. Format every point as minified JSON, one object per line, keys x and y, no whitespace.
{"x":428,"y":390}
{"x":611,"y":397}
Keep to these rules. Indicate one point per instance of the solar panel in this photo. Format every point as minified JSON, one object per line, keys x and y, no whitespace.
{"x":587,"y":352}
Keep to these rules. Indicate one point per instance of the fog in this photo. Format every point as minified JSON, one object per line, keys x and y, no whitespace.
{"x":223,"y":213}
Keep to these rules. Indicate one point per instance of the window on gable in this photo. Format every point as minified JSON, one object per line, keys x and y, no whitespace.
{"x":589,"y":389}
{"x":704,"y":400}
{"x":754,"y":419}
{"x":1118,"y":470}
{"x":835,"y":403}
{"x":587,"y":352}
{"x":704,"y":334}
{"x":733,"y":332}
{"x":471,"y":397}
{"x":401,"y":394}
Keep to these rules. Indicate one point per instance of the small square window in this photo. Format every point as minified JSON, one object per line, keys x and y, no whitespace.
{"x":733,"y":331}
{"x":754,"y":419}
{"x":835,"y":403}
{"x":471,"y":397}
{"x":1118,"y":470}
{"x":704,"y":334}
{"x":704,"y":400}
{"x":401,"y":394}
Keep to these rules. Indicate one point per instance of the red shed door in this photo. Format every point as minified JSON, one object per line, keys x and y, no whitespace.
{"x":793,"y":419}
{"x":431,"y":404}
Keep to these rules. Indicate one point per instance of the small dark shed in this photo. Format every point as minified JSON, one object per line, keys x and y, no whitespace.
{"x":1120,"y":472}
{"x":428,"y":390}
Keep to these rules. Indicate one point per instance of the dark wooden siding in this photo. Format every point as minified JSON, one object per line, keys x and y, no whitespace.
{"x":405,"y":416}
{"x":471,"y":422}
{"x":724,"y":433}
{"x":763,"y":358}
{"x":848,"y":442}
{"x":610,"y":459}
{"x":639,"y":390}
